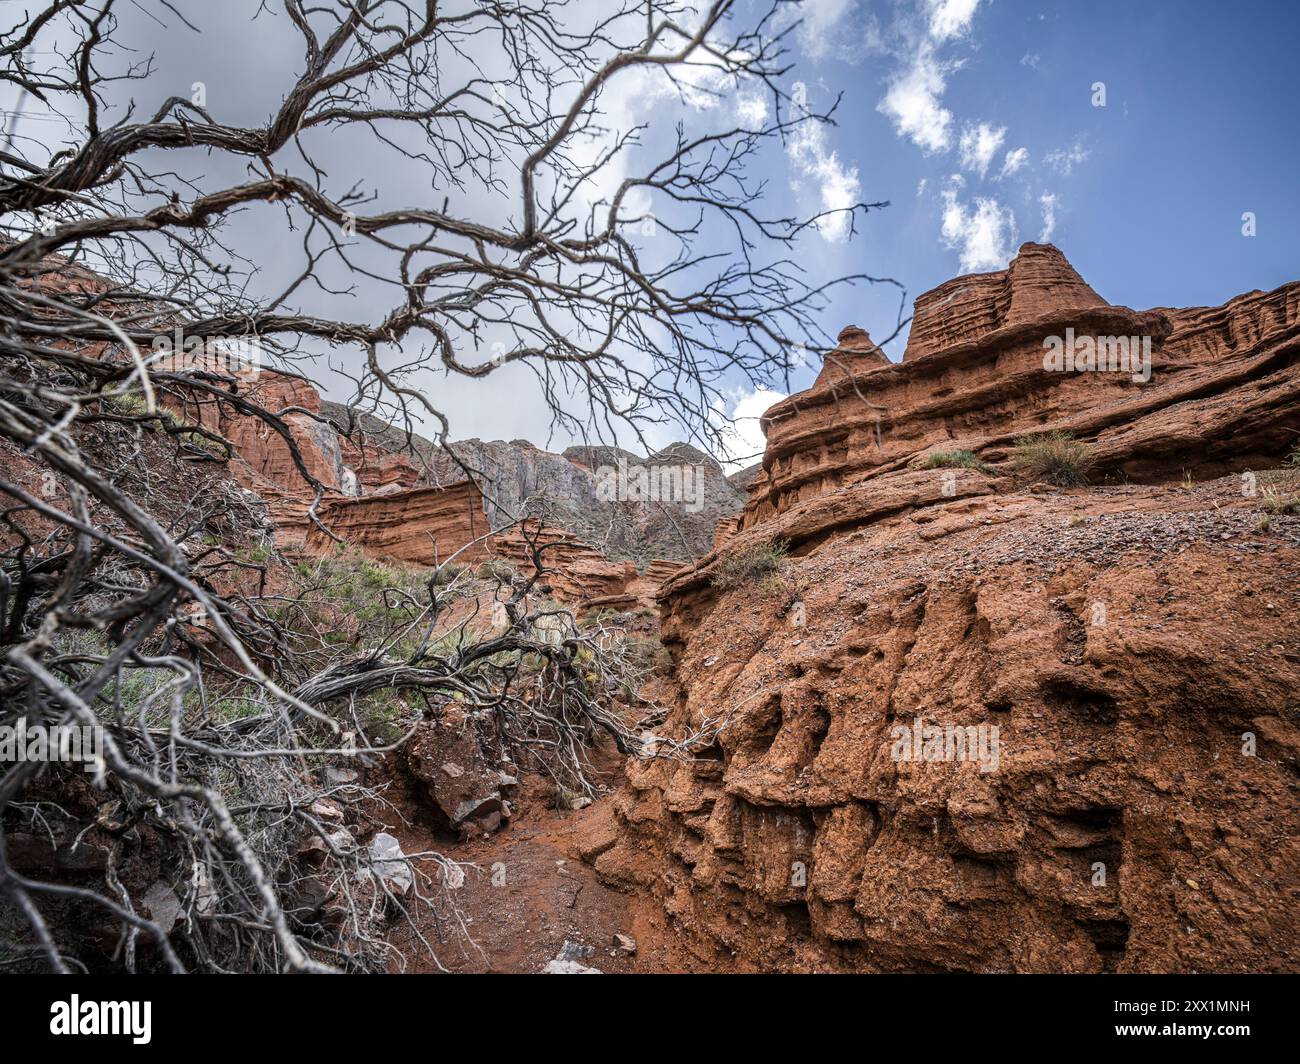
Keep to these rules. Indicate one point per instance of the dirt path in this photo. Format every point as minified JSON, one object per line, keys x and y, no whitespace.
{"x":530,"y":892}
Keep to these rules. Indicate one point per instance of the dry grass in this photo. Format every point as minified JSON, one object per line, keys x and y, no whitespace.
{"x":1276,"y":502}
{"x":1054,"y":456}
{"x":750,"y":564}
{"x":952,"y":460}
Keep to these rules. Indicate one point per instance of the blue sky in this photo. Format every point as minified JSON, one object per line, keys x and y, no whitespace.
{"x":1147,"y":193}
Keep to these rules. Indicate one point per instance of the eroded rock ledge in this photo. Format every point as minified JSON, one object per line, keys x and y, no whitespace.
{"x":1135,"y":644}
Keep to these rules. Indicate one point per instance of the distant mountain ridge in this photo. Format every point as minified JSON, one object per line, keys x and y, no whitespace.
{"x":591,"y":491}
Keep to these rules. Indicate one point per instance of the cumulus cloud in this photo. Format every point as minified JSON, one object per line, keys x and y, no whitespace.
{"x":741,"y":429}
{"x":914,"y":102}
{"x":950,"y":18}
{"x":1048,"y":202}
{"x":914,"y":98}
{"x":979,"y":143}
{"x":983,"y":232}
{"x":751,"y":111}
{"x":819,"y":26}
{"x":1031,"y":60}
{"x":1013,"y":161}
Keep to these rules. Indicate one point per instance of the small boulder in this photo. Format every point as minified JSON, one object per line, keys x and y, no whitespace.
{"x":389,"y":863}
{"x":446,"y":758}
{"x":569,"y":961}
{"x":162,"y":906}
{"x":558,"y":967}
{"x":339,"y":777}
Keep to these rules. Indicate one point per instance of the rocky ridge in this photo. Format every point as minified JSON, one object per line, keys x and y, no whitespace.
{"x":1130,"y":645}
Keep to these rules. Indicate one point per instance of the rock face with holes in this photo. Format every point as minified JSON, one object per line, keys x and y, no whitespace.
{"x":981,"y":723}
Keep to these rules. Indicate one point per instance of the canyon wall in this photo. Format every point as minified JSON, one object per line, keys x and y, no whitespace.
{"x":1131,"y":647}
{"x":382,"y":502}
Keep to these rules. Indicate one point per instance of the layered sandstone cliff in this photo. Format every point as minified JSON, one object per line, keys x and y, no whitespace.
{"x":417,"y":507}
{"x":1132,"y":646}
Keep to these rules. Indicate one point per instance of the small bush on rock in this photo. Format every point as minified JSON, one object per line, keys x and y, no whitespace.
{"x":952,"y":460}
{"x":750,"y":563}
{"x":1054,"y":456}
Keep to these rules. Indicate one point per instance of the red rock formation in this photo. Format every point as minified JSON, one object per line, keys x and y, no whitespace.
{"x":1134,"y":645}
{"x":581,"y":574}
{"x":378,"y":471}
{"x":265,"y":451}
{"x":1222,"y":396}
{"x":854,"y":355}
{"x":422,"y":525}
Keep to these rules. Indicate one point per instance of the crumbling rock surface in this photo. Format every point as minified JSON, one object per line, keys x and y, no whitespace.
{"x":447,"y":758}
{"x":422,"y":508}
{"x":1134,"y":645}
{"x":580,"y":574}
{"x":635,"y":508}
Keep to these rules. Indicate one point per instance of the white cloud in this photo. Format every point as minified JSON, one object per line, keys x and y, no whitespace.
{"x":837,"y":186}
{"x":913,"y":102}
{"x":1014,"y":161}
{"x":873,"y":37}
{"x":950,"y":18}
{"x":1064,"y":160}
{"x":1048,"y":202}
{"x":979,"y":143}
{"x":920,"y":187}
{"x":743,"y":434}
{"x":751,"y":111}
{"x":984,"y":232}
{"x":819,"y":23}
{"x":914,"y":99}
{"x":1030,"y":59}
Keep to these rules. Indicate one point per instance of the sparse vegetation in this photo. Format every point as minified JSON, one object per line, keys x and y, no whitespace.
{"x":1277,"y":502}
{"x":952,"y":460}
{"x":496,"y":569}
{"x":750,"y":564}
{"x":1056,"y":457}
{"x":447,"y":573}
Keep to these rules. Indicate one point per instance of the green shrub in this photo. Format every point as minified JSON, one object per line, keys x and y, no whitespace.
{"x":746,"y":565}
{"x":952,"y":460}
{"x":1054,"y":456}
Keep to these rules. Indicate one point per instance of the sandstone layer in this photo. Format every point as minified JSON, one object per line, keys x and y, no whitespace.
{"x":1223,"y":394}
{"x":419,"y":506}
{"x":1134,"y":644}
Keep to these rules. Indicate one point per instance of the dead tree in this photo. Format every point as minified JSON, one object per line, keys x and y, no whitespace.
{"x":528,"y":248}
